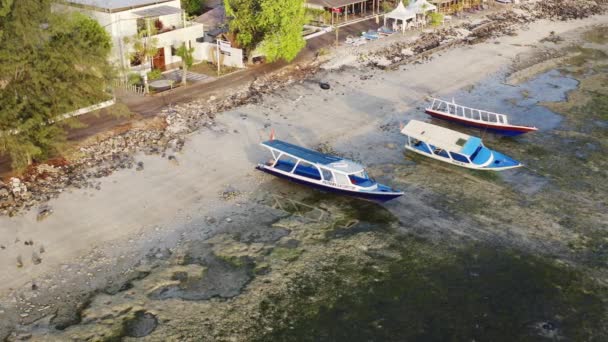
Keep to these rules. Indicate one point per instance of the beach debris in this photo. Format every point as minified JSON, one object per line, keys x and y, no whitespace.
{"x":173,"y":160}
{"x":41,"y":249}
{"x":229,"y":193}
{"x":43,"y":212}
{"x":140,"y":166}
{"x":19,"y":261}
{"x":36,"y":259}
{"x":324,"y":85}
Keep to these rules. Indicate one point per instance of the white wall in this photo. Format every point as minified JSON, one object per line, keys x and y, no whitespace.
{"x":124,"y":24}
{"x":208,"y":52}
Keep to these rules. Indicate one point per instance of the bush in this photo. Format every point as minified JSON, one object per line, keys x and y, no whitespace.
{"x":387,"y":7}
{"x":155,"y":74}
{"x":134,"y":78}
{"x":436,"y":19}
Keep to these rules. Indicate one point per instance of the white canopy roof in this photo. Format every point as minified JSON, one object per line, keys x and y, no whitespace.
{"x":444,"y":138}
{"x":420,"y":6}
{"x":400,"y":13}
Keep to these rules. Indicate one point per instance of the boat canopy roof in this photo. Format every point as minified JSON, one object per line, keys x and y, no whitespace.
{"x":314,"y":157}
{"x":441,"y":137}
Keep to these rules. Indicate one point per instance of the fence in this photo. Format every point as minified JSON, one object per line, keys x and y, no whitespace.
{"x":134,"y":88}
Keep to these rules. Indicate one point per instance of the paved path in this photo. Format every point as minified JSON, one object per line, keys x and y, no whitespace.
{"x":191,"y":77}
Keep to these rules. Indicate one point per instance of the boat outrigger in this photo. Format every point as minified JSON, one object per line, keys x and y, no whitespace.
{"x":322,"y":171}
{"x":494,"y":122}
{"x":454,"y":147}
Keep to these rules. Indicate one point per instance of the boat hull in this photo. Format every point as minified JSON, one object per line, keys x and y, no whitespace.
{"x":508,"y":130}
{"x":370,"y":196}
{"x":465,"y":165}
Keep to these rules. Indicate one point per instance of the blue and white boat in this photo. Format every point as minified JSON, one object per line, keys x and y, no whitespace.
{"x":324,"y":172}
{"x":454,"y":147}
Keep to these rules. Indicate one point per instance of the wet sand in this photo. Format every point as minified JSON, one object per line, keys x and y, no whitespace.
{"x":94,"y":236}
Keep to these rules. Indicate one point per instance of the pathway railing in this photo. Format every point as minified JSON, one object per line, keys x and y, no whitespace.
{"x":134,"y":88}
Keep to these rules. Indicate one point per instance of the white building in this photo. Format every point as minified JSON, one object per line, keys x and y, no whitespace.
{"x":164,"y":19}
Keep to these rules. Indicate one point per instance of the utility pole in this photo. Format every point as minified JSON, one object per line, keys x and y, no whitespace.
{"x":337,"y":35}
{"x":218,"y":57}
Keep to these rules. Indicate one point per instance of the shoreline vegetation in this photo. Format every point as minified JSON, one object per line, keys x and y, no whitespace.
{"x":243,"y":267}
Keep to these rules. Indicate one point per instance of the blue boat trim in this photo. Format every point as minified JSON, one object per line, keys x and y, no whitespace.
{"x":372,"y":196}
{"x":454,"y":147}
{"x":322,"y":171}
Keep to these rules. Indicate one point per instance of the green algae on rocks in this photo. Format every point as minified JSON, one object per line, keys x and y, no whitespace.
{"x":476,"y":293}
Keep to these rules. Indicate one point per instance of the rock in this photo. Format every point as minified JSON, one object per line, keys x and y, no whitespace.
{"x":173,"y":160}
{"x":43,"y":212}
{"x":36,"y":259}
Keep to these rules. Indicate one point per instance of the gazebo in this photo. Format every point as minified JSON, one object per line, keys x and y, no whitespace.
{"x":421,"y":7}
{"x":400,"y":13}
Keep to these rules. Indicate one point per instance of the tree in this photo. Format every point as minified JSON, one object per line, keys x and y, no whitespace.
{"x":436,"y":18}
{"x":193,"y":7}
{"x":142,"y":49}
{"x":186,"y":54}
{"x":52,"y":64}
{"x":272,"y":26}
{"x":5,"y":6}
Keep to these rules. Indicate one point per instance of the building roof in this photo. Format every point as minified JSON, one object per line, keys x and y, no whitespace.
{"x":158,"y":11}
{"x":421,"y":6}
{"x":213,"y":18}
{"x":441,"y":137}
{"x":115,"y":5}
{"x":334,"y":3}
{"x":401,"y":13}
{"x":314,"y":157}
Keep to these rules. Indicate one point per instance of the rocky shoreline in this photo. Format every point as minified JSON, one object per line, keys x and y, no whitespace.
{"x":218,"y":288}
{"x":40,"y":183}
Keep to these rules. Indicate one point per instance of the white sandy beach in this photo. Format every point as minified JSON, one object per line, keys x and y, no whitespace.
{"x":95,"y":233}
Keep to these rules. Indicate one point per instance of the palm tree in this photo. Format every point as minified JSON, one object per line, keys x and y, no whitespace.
{"x":187,"y":59}
{"x":143,"y":49}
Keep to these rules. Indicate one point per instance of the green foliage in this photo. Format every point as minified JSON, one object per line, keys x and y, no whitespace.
{"x":275,"y":26}
{"x":387,"y":6}
{"x":155,"y":74}
{"x":435,"y":18}
{"x":186,"y":54}
{"x":134,"y":78}
{"x":193,"y":7}
{"x":52,"y":64}
{"x":314,"y":14}
{"x":5,"y":7}
{"x":406,"y":3}
{"x":142,"y":48}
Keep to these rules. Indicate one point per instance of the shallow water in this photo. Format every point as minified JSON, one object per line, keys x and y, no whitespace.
{"x":464,"y":255}
{"x":471,"y":291}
